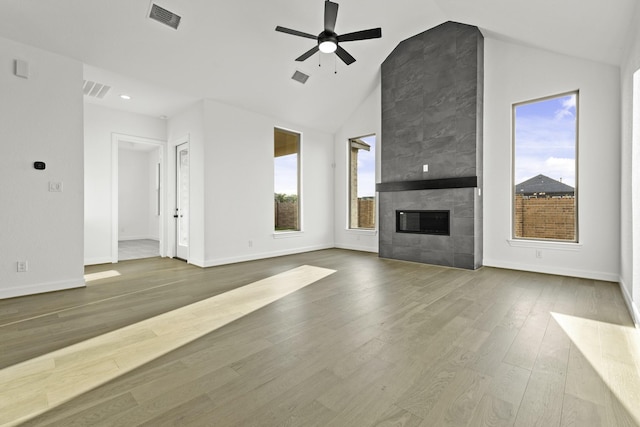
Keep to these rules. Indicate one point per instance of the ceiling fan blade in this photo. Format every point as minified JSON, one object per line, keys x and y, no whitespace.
{"x":374,"y":33}
{"x":330,"y":16}
{"x":344,"y":55}
{"x":296,"y":32}
{"x":308,"y":53}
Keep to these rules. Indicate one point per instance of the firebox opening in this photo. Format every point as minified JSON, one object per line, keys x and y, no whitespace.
{"x":423,"y":222}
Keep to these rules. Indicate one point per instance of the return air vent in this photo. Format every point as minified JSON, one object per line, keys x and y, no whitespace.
{"x":164,"y":16}
{"x":300,"y":77}
{"x":95,"y":90}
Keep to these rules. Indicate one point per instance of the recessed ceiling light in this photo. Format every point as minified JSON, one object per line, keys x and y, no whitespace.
{"x":123,"y":96}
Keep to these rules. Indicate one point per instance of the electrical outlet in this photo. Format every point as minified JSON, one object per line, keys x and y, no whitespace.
{"x":425,"y":168}
{"x":250,"y":243}
{"x":538,"y":253}
{"x":55,"y":187}
{"x":22,"y":266}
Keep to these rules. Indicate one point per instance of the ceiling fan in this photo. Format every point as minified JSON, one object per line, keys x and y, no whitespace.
{"x":328,"y":40}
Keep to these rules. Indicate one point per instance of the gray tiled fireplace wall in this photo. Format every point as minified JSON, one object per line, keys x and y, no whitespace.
{"x":432,"y":90}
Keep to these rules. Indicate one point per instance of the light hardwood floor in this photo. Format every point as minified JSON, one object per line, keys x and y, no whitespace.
{"x":350,"y":340}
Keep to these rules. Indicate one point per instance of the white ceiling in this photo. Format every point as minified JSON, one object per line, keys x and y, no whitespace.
{"x":230,"y":52}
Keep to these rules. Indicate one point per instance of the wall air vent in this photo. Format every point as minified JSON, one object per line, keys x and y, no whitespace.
{"x":164,"y":16}
{"x":95,"y":90}
{"x":300,"y":77}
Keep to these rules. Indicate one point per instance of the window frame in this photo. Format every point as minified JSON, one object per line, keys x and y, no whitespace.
{"x":542,"y":240}
{"x":299,"y":229}
{"x":349,"y":145}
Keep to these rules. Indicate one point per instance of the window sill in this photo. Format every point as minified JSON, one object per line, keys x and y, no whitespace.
{"x":539,"y":244}
{"x":362,"y":231}
{"x":287,"y":234}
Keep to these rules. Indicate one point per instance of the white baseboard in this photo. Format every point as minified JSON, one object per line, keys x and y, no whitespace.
{"x":631,"y":305}
{"x":141,"y":237}
{"x":560,"y":271}
{"x":95,"y":261}
{"x":262,"y":255}
{"x":39,"y":288}
{"x":356,"y":248}
{"x":197,"y":262}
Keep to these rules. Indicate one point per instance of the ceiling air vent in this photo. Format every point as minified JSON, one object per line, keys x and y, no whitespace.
{"x":95,"y":90}
{"x":164,"y":16}
{"x":299,"y":76}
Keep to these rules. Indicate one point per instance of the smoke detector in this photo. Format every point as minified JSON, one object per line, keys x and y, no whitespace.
{"x":164,"y":16}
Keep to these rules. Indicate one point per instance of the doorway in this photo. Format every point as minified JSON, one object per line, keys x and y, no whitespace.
{"x":137,"y":198}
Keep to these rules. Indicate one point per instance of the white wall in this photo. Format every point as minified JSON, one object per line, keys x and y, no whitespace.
{"x":516,"y":73}
{"x":231,"y":185}
{"x":99,"y":126}
{"x":630,"y":171}
{"x":136,"y":194}
{"x":366,"y":120}
{"x":41,"y":121}
{"x":238,"y":156}
{"x":187,"y":126}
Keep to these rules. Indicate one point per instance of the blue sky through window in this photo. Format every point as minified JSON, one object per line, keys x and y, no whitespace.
{"x":545,"y":139}
{"x":286,"y":174}
{"x":367,"y":168}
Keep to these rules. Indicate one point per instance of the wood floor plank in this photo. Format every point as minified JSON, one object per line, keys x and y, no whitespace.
{"x":427,"y":389}
{"x":577,"y":412}
{"x":509,"y":383}
{"x":493,"y":412}
{"x":378,"y":342}
{"x":93,"y":415}
{"x":490,"y":355}
{"x":542,"y":401}
{"x":397,"y":417}
{"x":459,"y":400}
{"x":583,"y":380}
{"x":291,"y":406}
{"x":524,"y":349}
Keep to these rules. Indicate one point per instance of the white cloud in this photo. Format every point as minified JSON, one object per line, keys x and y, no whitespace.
{"x":560,"y":169}
{"x":568,"y":108}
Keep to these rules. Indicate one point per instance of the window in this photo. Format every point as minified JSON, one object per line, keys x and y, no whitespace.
{"x":545,"y":141}
{"x":362,"y":182}
{"x":286,"y":148}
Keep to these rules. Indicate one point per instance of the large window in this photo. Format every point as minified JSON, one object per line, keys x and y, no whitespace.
{"x":545,"y":145}
{"x":286,"y":148}
{"x":362,"y":182}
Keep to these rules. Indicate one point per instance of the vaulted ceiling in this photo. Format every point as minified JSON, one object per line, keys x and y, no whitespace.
{"x":229,"y":51}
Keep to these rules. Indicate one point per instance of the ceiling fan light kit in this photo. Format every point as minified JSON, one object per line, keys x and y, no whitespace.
{"x":328,"y":45}
{"x":328,"y":41}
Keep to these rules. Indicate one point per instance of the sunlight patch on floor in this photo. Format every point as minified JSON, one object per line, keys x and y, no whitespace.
{"x":35,"y":386}
{"x":613,"y":351}
{"x":101,"y":275}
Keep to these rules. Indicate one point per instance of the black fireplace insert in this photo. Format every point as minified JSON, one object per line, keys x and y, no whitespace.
{"x":423,"y":222}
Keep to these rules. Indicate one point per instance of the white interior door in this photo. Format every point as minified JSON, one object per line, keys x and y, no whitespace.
{"x":182,"y":201}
